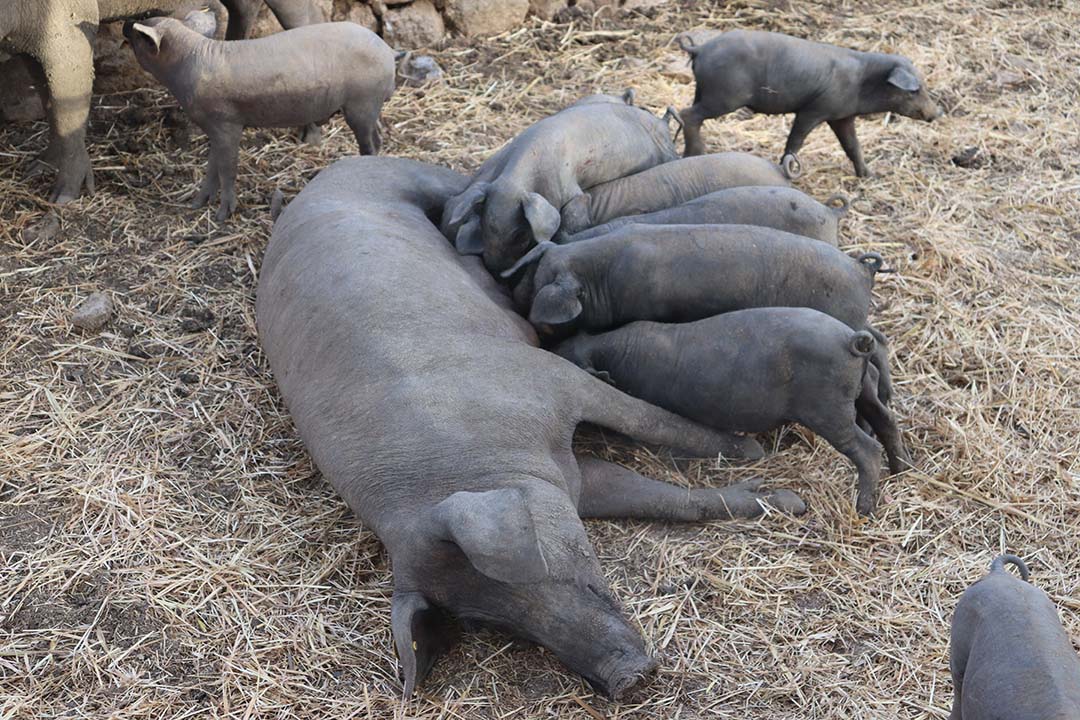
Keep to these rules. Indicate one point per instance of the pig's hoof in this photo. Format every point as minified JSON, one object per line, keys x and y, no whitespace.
{"x":791,"y":166}
{"x":780,"y":499}
{"x":224,"y":211}
{"x":311,"y":135}
{"x":785,"y":501}
{"x":744,"y":446}
{"x":866,"y":504}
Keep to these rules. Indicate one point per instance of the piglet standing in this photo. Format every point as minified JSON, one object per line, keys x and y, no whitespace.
{"x":1010,"y":656}
{"x":296,"y":77}
{"x":776,"y":74}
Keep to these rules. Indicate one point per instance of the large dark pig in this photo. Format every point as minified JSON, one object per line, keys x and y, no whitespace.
{"x":679,"y":273}
{"x":667,"y":185}
{"x":781,"y":208}
{"x":425,"y":402}
{"x":776,"y":74}
{"x":752,"y":371}
{"x":513,"y":201}
{"x":1010,"y":656}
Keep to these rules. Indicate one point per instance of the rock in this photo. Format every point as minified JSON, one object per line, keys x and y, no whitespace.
{"x":410,"y":26}
{"x":115,"y":66}
{"x":546,"y":9}
{"x":267,"y":24}
{"x":43,"y":230}
{"x":93,"y":312}
{"x":419,"y":70}
{"x":356,"y":12}
{"x":485,"y":17}
{"x":970,"y":157}
{"x":19,"y":101}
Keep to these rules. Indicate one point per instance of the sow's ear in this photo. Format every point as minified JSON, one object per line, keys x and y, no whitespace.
{"x":903,"y":79}
{"x":556,"y":303}
{"x":543,"y":217}
{"x":151,"y":33}
{"x":421,"y":634}
{"x":495,"y":531}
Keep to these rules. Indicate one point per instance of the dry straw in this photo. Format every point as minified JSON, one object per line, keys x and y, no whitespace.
{"x":167,"y":549}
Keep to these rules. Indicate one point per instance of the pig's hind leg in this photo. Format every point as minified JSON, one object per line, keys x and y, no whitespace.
{"x":872,"y":410}
{"x":612,"y":491}
{"x":363,"y":120}
{"x":834,"y":418}
{"x":706,"y":107}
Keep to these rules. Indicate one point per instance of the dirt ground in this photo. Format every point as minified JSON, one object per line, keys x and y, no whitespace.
{"x":167,"y":549}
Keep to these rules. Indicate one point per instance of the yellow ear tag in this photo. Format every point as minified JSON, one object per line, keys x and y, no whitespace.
{"x":414,"y":645}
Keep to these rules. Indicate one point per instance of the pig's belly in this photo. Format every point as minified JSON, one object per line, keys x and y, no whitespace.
{"x":286,"y":109}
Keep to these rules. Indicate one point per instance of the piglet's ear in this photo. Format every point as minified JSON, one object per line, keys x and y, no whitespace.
{"x":465,"y":204}
{"x":543,"y":217}
{"x":469,"y":240}
{"x":495,"y":531}
{"x":422,"y":633}
{"x":903,"y":78}
{"x":556,"y":303}
{"x":150,"y":32}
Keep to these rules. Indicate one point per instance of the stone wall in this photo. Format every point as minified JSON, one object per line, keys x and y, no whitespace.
{"x":404,"y":24}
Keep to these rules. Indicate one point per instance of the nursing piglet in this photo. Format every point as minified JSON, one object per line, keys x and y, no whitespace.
{"x":667,"y":185}
{"x":781,"y":208}
{"x":679,"y":273}
{"x":752,"y":371}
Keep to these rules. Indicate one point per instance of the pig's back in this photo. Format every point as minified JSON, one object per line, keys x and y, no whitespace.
{"x":382,"y":343}
{"x":1021,"y":664}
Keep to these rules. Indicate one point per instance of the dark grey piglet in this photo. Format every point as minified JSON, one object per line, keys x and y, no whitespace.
{"x":1010,"y":657}
{"x":425,"y":402}
{"x":781,"y":208}
{"x":513,"y":201}
{"x":667,"y":185}
{"x":678,"y":273}
{"x":752,"y":371}
{"x":295,"y":77}
{"x":777,"y":74}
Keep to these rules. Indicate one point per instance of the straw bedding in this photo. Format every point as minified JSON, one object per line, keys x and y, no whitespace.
{"x":168,"y":550}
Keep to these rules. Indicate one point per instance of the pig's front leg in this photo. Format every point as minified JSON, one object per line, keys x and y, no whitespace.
{"x":221,"y":174}
{"x":612,"y":491}
{"x":804,"y":124}
{"x":845,"y":133}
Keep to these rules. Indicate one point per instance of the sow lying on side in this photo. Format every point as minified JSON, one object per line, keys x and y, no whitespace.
{"x":752,"y":371}
{"x":1010,"y":657}
{"x":291,"y":78}
{"x":449,"y":433}
{"x":776,"y":74}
